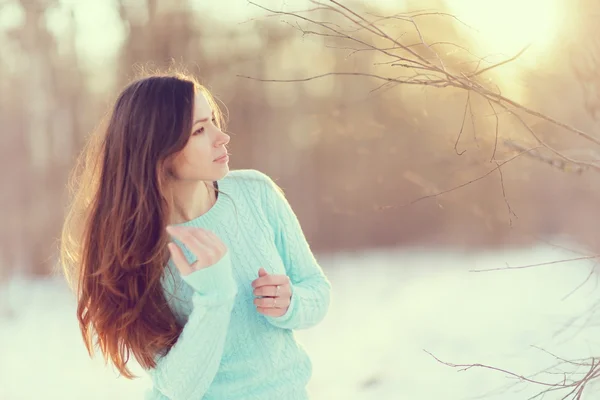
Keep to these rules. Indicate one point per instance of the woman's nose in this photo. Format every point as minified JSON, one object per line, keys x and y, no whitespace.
{"x":222,"y":139}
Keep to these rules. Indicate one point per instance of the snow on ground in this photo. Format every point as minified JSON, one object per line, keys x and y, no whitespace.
{"x":388,"y":309}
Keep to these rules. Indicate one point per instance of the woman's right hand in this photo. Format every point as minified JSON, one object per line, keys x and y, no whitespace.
{"x":205,"y":245}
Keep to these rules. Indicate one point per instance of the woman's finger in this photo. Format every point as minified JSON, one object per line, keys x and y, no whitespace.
{"x":205,"y":255}
{"x":271,"y":312}
{"x":273,"y":280}
{"x":271,"y":291}
{"x":272,"y":302}
{"x":208,"y":239}
{"x":215,"y":241}
{"x":198,"y":247}
{"x":179,"y":259}
{"x":200,"y":235}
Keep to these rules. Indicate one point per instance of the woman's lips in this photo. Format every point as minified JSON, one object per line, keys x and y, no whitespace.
{"x":223,"y":159}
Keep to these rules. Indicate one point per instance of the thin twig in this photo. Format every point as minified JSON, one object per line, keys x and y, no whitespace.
{"x":537,"y":265}
{"x":576,"y":386}
{"x":462,"y":125}
{"x":496,"y":131}
{"x":511,"y":213}
{"x":494,"y":66}
{"x":459,"y":186}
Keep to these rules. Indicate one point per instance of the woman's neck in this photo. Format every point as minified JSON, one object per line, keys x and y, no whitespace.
{"x":191,"y":200}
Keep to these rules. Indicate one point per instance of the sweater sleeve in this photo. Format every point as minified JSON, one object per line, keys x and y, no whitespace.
{"x":310,"y":287}
{"x":188,"y":369}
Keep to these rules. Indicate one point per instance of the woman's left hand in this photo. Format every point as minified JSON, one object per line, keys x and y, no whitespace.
{"x":276,"y":293}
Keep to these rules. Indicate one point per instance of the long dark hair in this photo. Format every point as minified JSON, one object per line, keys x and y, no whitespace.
{"x":113,"y":245}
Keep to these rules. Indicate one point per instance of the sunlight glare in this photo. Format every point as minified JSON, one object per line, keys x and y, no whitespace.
{"x":507,"y":26}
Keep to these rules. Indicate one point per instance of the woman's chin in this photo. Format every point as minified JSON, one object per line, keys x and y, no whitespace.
{"x":224,"y":170}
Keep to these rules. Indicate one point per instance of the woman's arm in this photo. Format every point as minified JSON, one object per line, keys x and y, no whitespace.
{"x":310,"y":288}
{"x":188,"y":369}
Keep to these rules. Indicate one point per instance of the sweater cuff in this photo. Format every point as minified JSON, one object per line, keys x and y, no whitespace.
{"x":214,"y":283}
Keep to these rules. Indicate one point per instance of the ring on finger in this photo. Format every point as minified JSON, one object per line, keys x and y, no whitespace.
{"x":276,"y":290}
{"x":274,"y":302}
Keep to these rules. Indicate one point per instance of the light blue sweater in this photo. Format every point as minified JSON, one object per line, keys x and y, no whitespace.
{"x":227,"y":349}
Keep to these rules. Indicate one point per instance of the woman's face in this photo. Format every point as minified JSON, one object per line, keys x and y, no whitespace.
{"x":204,"y":156}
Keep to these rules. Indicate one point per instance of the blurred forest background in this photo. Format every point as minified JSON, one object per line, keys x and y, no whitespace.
{"x":351,"y":155}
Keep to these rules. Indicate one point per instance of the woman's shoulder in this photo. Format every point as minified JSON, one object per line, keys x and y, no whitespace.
{"x":251,"y":177}
{"x":247,"y":174}
{"x":250,"y":180}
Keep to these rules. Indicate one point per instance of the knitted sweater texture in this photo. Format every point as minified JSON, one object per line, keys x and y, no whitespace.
{"x":227,"y":349}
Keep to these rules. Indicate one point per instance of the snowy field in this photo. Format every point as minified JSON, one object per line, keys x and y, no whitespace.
{"x":388,"y":309}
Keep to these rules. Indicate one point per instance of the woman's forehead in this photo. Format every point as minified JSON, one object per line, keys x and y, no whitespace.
{"x":201,"y":101}
{"x":202,"y":107}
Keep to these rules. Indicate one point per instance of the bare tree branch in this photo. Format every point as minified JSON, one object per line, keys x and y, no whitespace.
{"x":423,"y":13}
{"x":511,"y":213}
{"x":498,"y":165}
{"x":462,"y":125}
{"x":538,"y":264}
{"x":568,"y":381}
{"x":513,"y":58}
{"x":553,"y":162}
{"x":439,"y":75}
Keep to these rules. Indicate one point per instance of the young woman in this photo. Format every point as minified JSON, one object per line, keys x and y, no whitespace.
{"x":200,"y":273}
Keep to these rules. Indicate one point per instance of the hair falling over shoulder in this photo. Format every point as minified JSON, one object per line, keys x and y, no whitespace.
{"x":113,"y":244}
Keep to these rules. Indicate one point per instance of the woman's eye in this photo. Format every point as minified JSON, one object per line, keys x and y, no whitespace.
{"x":201,"y":130}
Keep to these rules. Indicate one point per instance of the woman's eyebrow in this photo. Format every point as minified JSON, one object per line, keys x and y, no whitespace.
{"x":203,"y":119}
